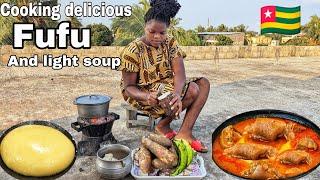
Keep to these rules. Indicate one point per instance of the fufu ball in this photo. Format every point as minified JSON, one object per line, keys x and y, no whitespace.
{"x":37,"y":150}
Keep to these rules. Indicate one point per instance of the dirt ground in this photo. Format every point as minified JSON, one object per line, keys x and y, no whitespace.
{"x":237,"y":85}
{"x":46,"y":94}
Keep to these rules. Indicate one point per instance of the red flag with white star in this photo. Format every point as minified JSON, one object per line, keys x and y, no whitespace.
{"x":282,"y":20}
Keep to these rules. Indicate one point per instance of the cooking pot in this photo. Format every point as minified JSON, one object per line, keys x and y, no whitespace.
{"x":114,"y":169}
{"x":44,"y":123}
{"x":266,"y":113}
{"x":92,"y":106}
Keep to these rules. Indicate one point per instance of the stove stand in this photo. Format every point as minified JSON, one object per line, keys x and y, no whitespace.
{"x":94,"y":135}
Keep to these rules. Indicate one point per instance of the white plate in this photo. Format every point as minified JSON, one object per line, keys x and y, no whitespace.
{"x":203,"y":171}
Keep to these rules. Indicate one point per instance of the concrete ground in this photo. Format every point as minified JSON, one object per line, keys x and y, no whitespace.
{"x":238,"y":85}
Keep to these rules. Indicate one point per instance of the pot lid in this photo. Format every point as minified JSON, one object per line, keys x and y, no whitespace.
{"x":92,"y":100}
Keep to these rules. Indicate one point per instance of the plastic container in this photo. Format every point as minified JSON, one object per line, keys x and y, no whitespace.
{"x":202,"y":169}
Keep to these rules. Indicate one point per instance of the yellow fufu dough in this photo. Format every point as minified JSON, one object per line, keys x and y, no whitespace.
{"x":36,"y":150}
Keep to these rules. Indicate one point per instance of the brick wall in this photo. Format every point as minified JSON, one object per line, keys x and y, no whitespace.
{"x":193,"y":52}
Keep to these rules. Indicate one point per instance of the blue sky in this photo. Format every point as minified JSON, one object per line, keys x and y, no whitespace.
{"x":229,"y":12}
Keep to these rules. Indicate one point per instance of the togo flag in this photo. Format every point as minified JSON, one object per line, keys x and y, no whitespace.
{"x":282,"y":20}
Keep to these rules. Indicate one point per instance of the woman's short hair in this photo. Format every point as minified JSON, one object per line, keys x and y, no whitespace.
{"x":162,"y":10}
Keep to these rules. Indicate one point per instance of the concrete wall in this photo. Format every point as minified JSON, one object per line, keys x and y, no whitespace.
{"x":193,"y":52}
{"x":228,"y":52}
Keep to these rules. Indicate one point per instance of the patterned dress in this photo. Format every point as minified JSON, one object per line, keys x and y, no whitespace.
{"x":154,"y":69}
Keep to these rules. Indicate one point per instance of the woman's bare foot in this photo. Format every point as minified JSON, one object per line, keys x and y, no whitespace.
{"x":186,"y":137}
{"x":163,"y":129}
{"x":195,"y":144}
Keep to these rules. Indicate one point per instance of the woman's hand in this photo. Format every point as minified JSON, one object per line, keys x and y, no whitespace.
{"x":176,"y":105}
{"x":152,"y":98}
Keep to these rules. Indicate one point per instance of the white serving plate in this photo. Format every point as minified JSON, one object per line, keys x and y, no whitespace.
{"x":198,"y":158}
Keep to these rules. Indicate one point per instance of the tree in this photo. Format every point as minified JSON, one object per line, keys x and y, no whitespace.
{"x":186,"y":38}
{"x":100,"y":35}
{"x":223,"y":40}
{"x":239,"y":28}
{"x":43,"y":22}
{"x":275,"y":36}
{"x":312,"y":28}
{"x":75,"y":23}
{"x":222,"y":28}
{"x":7,"y":22}
{"x":200,"y":29}
{"x":298,"y":41}
{"x":129,"y":28}
{"x":252,"y":33}
{"x":211,"y":29}
{"x":248,"y":37}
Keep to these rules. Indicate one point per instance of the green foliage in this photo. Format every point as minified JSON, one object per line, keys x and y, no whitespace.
{"x":75,"y":23}
{"x":211,"y":29}
{"x":275,"y":36}
{"x":185,"y":38}
{"x":239,"y":28}
{"x":6,"y":23}
{"x":129,"y":28}
{"x":100,"y":35}
{"x":223,"y":40}
{"x":251,"y":33}
{"x":312,"y":28}
{"x":222,"y":28}
{"x":200,"y":29}
{"x":124,"y":41}
{"x":298,"y":41}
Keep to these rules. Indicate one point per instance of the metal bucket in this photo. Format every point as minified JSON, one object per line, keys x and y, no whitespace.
{"x":114,"y":169}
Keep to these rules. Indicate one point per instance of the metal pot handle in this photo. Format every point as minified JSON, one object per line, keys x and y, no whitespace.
{"x":116,"y":116}
{"x":123,"y":164}
{"x":92,"y":96}
{"x":76,"y":126}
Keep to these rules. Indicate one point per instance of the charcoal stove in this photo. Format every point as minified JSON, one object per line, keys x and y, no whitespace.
{"x":95,"y":123}
{"x":94,"y":133}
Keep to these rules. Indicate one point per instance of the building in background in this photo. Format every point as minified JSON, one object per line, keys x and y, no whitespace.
{"x":210,"y":37}
{"x":259,"y":40}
